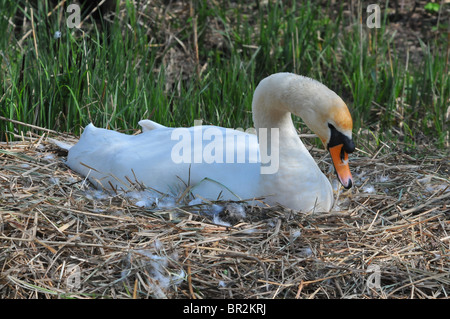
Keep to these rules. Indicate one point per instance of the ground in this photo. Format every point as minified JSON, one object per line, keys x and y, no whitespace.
{"x":388,"y":237}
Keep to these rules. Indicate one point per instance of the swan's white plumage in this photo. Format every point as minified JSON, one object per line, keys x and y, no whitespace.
{"x":107,"y":156}
{"x":148,"y":125}
{"x":111,"y":158}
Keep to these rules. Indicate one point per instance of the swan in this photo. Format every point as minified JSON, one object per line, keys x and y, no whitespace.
{"x":221,"y":163}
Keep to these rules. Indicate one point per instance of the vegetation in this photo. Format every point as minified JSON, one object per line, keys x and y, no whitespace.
{"x":202,"y":60}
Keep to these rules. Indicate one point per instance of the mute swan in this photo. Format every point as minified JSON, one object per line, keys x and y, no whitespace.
{"x":219,"y":162}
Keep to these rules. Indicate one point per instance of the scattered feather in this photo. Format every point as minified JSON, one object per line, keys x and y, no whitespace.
{"x":368,"y":189}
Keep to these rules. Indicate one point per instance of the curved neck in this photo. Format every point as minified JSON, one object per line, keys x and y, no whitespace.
{"x":278,"y":142}
{"x":277,"y":136}
{"x":276,"y":120}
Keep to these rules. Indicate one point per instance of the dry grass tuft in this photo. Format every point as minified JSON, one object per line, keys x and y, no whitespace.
{"x":60,"y":238}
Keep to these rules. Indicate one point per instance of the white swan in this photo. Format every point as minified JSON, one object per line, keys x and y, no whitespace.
{"x":218,"y":162}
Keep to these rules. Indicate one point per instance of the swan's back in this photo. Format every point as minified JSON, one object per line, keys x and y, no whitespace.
{"x":163,"y":159}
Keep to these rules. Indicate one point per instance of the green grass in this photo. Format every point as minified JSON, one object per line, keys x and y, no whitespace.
{"x":116,"y":78}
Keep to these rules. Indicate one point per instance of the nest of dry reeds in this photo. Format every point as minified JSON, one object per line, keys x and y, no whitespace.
{"x":388,"y":237}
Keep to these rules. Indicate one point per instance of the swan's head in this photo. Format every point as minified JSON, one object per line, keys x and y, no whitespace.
{"x":338,"y":140}
{"x":322,"y":110}
{"x":328,"y":116}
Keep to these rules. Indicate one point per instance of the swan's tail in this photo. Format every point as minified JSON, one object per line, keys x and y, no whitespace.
{"x":67,"y":146}
{"x":146,"y":125}
{"x":60,"y":144}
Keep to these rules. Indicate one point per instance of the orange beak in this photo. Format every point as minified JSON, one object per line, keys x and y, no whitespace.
{"x":340,"y":162}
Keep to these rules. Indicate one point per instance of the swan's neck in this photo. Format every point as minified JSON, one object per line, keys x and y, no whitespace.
{"x":280,"y":121}
{"x":281,"y":150}
{"x":278,"y":142}
{"x":277,"y":136}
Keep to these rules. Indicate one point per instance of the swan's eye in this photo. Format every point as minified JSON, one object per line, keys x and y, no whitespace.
{"x":338,"y":138}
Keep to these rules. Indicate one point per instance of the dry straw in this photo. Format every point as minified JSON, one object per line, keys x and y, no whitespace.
{"x":388,"y":237}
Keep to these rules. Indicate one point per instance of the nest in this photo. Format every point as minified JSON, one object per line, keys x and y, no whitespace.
{"x":388,"y":237}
